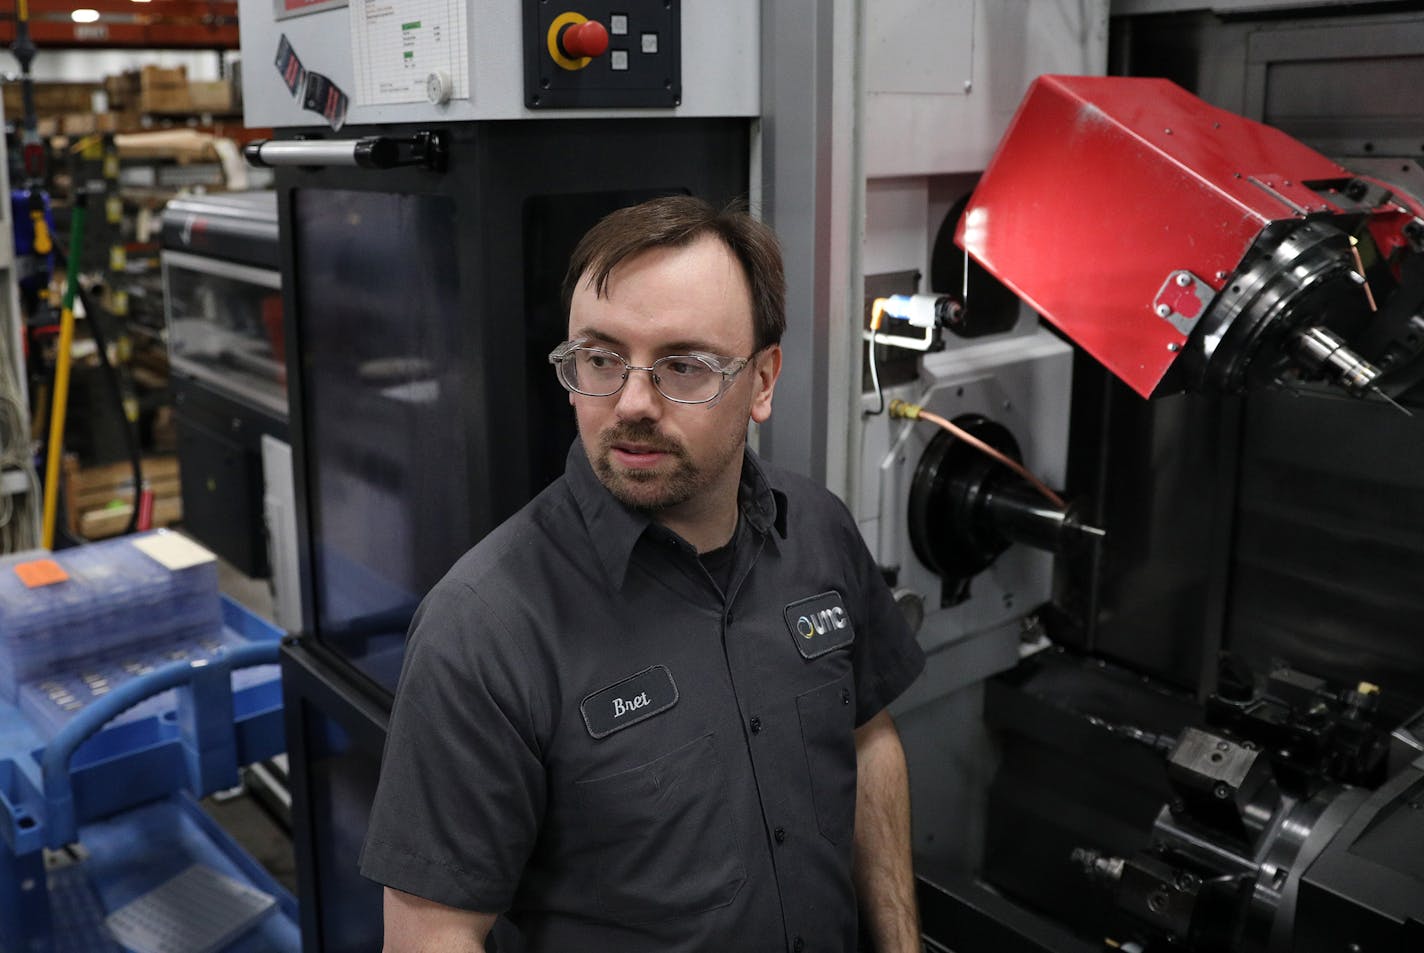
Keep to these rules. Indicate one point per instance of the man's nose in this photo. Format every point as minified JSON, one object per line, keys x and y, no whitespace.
{"x":639,"y":399}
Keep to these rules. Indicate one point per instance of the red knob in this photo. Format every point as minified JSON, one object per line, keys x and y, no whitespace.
{"x":589,"y":38}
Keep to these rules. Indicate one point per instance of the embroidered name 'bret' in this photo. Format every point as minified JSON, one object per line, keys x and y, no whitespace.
{"x":634,"y":699}
{"x":819,"y":624}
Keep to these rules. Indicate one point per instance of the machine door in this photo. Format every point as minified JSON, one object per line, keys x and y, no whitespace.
{"x":424,"y":304}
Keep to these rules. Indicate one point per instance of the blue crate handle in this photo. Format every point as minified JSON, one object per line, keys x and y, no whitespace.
{"x":206,"y":677}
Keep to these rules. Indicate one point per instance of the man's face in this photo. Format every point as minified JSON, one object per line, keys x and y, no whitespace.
{"x":653,"y":454}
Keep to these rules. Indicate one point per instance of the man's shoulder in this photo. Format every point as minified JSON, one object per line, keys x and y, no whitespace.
{"x":807,"y":501}
{"x":499,"y":591}
{"x":546,"y":530}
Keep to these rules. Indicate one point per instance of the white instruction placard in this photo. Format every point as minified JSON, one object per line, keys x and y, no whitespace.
{"x":397,"y":44}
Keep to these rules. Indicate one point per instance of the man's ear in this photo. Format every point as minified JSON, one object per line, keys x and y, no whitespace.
{"x":767,"y":368}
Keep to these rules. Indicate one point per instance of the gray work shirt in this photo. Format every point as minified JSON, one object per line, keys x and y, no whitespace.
{"x":591,"y":738}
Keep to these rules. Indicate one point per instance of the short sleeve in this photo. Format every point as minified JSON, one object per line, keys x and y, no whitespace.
{"x":462,"y":787}
{"x":886,"y":657}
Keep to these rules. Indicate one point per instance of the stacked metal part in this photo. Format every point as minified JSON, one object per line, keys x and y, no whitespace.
{"x":80,"y":607}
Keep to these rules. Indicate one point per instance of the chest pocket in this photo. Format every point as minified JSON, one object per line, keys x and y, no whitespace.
{"x":661,"y":840}
{"x":828,"y":730}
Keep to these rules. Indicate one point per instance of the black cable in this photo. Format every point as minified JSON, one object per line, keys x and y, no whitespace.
{"x":111,"y":376}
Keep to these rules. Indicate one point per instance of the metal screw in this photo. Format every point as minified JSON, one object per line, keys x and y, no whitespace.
{"x":1221,"y":276}
{"x":1157,"y":901}
{"x":1183,"y":279}
{"x":1221,"y":791}
{"x":1173,"y":346}
{"x":1223,"y":746}
{"x":1163,"y":310}
{"x":968,"y":85}
{"x":1167,"y":131}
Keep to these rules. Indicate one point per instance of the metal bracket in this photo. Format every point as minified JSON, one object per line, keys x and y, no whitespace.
{"x":1182,"y":300}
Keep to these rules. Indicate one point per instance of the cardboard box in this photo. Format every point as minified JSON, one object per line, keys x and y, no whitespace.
{"x":51,"y":99}
{"x":163,"y":90}
{"x":78,"y":124}
{"x":211,"y":97}
{"x":123,"y":90}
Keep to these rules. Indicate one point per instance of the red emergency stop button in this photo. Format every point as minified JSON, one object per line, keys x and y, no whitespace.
{"x":589,"y":38}
{"x":574,"y":40}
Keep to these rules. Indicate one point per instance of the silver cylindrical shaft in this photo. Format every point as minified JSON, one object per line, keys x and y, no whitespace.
{"x":1322,"y":351}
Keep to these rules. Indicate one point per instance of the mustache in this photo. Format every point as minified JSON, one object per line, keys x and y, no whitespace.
{"x":640,"y":433}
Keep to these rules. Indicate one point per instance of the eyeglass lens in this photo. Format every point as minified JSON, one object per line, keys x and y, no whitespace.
{"x":598,"y":373}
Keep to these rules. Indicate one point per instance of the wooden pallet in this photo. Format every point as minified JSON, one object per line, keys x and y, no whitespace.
{"x":101,"y":498}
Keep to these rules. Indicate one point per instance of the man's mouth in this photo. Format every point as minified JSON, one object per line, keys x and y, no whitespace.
{"x":639,"y":454}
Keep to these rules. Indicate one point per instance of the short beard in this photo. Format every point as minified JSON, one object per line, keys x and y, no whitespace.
{"x":646,"y":492}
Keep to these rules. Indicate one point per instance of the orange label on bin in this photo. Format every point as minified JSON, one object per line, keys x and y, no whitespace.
{"x":40,"y":572}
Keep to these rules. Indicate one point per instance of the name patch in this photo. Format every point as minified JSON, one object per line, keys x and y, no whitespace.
{"x":819,"y":624}
{"x":634,"y":699}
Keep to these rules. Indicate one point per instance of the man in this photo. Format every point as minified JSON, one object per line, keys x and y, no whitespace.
{"x":647,"y":712}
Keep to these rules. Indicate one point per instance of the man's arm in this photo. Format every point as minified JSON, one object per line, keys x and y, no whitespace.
{"x":417,"y":925}
{"x":884,"y":879}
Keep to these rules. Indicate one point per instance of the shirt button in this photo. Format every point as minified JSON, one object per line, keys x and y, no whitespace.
{"x":780,"y":835}
{"x":756,"y":725}
{"x":798,"y":944}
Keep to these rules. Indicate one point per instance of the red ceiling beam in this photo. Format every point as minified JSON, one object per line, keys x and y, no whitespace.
{"x":40,"y":9}
{"x":50,"y":34}
{"x":163,"y":24}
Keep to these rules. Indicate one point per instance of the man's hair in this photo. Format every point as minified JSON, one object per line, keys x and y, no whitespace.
{"x":676,"y":221}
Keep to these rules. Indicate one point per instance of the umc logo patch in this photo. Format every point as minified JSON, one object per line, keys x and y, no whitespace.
{"x":634,"y":699}
{"x":819,"y":624}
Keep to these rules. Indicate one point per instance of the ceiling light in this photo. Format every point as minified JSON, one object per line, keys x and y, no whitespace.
{"x":84,"y":16}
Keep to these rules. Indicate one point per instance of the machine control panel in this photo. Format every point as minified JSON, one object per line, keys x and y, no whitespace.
{"x":600,"y":55}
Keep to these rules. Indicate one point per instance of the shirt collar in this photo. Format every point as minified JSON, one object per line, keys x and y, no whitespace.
{"x":614,"y":529}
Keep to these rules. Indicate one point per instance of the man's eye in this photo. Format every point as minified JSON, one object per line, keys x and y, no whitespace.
{"x":682,"y":368}
{"x":598,"y":362}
